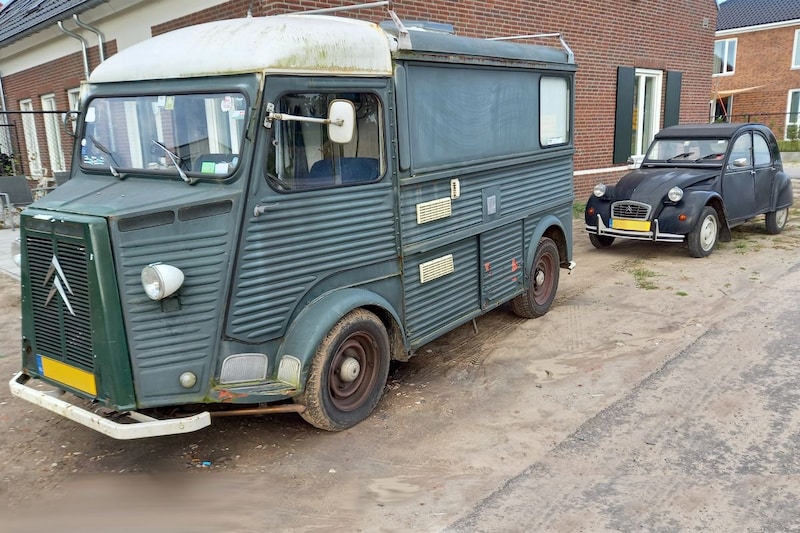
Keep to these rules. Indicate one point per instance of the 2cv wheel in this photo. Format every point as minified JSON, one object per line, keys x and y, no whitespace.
{"x":348,"y":373}
{"x":703,"y":237}
{"x":600,"y":241}
{"x":543,"y":282}
{"x":776,"y":220}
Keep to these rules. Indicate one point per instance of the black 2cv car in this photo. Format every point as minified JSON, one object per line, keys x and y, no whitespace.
{"x":695,"y":183}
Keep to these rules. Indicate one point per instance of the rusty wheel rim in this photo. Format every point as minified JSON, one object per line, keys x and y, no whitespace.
{"x":354,"y":371}
{"x":543,"y":279}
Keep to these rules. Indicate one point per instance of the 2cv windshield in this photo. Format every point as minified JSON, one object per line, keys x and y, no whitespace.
{"x":200,"y":134}
{"x":687,"y":151}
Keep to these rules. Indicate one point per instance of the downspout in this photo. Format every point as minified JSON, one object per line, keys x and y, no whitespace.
{"x":83,"y":46}
{"x":100,"y":37}
{"x":2,"y":95}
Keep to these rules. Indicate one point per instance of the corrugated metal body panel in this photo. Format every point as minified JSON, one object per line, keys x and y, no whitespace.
{"x":167,"y":339}
{"x":444,"y":300}
{"x":502,"y":264}
{"x":524,"y":188}
{"x":300,"y":240}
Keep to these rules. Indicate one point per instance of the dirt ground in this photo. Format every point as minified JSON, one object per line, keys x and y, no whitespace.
{"x":473,"y":409}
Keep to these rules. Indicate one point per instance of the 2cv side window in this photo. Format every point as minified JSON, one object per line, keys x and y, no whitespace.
{"x":740,"y":153}
{"x":761,"y":151}
{"x":301,"y":155}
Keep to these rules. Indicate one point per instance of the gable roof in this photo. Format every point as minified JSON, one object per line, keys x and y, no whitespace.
{"x":21,"y":18}
{"x":747,"y":13}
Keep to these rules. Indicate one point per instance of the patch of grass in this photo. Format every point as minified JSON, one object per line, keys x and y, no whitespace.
{"x":642,"y":278}
{"x":681,"y":293}
{"x":577,"y":209}
{"x":755,"y":275}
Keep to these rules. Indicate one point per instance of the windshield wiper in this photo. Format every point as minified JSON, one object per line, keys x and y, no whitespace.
{"x":176,"y":160}
{"x":684,"y":155}
{"x":100,"y":146}
{"x":709,"y":156}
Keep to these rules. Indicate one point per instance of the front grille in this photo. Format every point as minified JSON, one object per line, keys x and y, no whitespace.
{"x":631,"y":210}
{"x":59,"y":287}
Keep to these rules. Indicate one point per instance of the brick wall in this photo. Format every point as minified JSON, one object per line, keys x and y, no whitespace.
{"x":763,"y":60}
{"x":55,"y":77}
{"x":674,"y":35}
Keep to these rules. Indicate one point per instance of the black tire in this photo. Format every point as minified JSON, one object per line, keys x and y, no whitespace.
{"x":348,"y":373}
{"x":600,"y":241}
{"x":704,"y":236}
{"x":776,"y":220}
{"x":542,"y":282}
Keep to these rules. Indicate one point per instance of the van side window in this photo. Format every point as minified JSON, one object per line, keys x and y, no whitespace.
{"x":553,"y":111}
{"x":301,"y":155}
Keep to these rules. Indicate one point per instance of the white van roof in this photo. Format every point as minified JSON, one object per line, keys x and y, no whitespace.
{"x":299,"y":44}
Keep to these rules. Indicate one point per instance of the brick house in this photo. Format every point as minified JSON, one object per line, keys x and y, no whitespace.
{"x":757,"y":63}
{"x":634,"y":77}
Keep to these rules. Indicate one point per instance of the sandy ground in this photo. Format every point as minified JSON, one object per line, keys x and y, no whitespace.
{"x":469,"y":413}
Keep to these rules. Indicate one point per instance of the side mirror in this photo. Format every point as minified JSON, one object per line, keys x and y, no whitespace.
{"x":342,"y":117}
{"x":740,"y":162}
{"x":70,"y":118}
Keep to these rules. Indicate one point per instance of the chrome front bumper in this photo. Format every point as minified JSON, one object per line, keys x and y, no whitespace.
{"x":653,"y":235}
{"x":143,"y":425}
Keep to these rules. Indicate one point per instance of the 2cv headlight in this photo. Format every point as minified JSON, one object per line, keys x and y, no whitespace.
{"x":160,"y":280}
{"x":599,"y":190}
{"x":675,"y":194}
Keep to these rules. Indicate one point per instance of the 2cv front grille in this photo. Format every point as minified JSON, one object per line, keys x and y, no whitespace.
{"x":631,"y":210}
{"x":59,"y":287}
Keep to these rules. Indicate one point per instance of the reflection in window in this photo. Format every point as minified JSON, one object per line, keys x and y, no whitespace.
{"x":724,"y":56}
{"x":302,"y":156}
{"x":553,"y":111}
{"x":204,"y":131}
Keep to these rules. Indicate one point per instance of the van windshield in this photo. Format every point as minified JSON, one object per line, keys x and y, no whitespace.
{"x":201,"y":133}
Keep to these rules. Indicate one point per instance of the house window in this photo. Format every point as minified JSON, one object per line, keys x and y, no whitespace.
{"x":722,"y":107}
{"x":646,"y":109}
{"x":796,"y":52}
{"x":53,"y":132}
{"x":793,"y":116}
{"x":31,"y":141}
{"x":724,"y":56}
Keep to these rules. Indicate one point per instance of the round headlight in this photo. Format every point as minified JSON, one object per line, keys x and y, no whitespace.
{"x":160,"y":280}
{"x":675,"y":194}
{"x":16,"y":254}
{"x":599,"y":190}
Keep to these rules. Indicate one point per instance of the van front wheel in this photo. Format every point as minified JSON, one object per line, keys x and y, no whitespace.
{"x":348,"y":373}
{"x":542,"y":283}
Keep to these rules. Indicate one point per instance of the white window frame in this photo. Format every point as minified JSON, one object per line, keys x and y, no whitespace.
{"x":725,"y":56}
{"x":31,"y":138}
{"x":643,"y":138}
{"x":789,"y":114}
{"x":53,"y":134}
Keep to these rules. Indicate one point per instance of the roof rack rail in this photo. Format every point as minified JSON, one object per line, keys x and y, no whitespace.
{"x":403,"y":40}
{"x":570,"y":54}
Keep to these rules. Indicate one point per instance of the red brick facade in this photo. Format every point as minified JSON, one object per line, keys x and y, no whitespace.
{"x":603,"y":36}
{"x":763,"y":61}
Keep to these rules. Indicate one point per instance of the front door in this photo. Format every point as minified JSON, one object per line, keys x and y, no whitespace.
{"x":321,"y":215}
{"x":763,"y":166}
{"x":738,"y":190}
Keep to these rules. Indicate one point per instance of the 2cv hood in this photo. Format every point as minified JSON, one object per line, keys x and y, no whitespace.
{"x":651,"y":184}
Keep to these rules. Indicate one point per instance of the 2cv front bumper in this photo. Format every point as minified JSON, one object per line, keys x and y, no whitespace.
{"x":141,"y":426}
{"x":633,"y":229}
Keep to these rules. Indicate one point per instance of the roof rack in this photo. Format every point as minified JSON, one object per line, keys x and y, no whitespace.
{"x":403,"y":40}
{"x":570,"y":54}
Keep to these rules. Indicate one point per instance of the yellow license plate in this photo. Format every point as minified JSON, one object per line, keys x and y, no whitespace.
{"x":633,"y":225}
{"x":68,"y":375}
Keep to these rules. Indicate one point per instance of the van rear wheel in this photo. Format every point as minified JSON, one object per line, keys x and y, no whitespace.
{"x":542,"y":284}
{"x":348,"y":373}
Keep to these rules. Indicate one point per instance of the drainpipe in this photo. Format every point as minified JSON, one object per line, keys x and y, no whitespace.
{"x":83,"y":46}
{"x":2,"y":95}
{"x":100,"y":36}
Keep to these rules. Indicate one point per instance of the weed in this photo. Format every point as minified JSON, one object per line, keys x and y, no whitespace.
{"x":681,"y":293}
{"x":642,"y":277}
{"x":577,"y":210}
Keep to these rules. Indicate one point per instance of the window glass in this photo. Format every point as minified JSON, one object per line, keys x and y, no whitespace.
{"x":741,"y":149}
{"x":796,"y":50}
{"x":201,"y":133}
{"x":793,"y":116}
{"x":724,"y":56}
{"x":761,"y":151}
{"x":303,"y":157}
{"x":688,"y":150}
{"x":553,"y":111}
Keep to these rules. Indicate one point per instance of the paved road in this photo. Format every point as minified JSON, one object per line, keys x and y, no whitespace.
{"x":709,"y":442}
